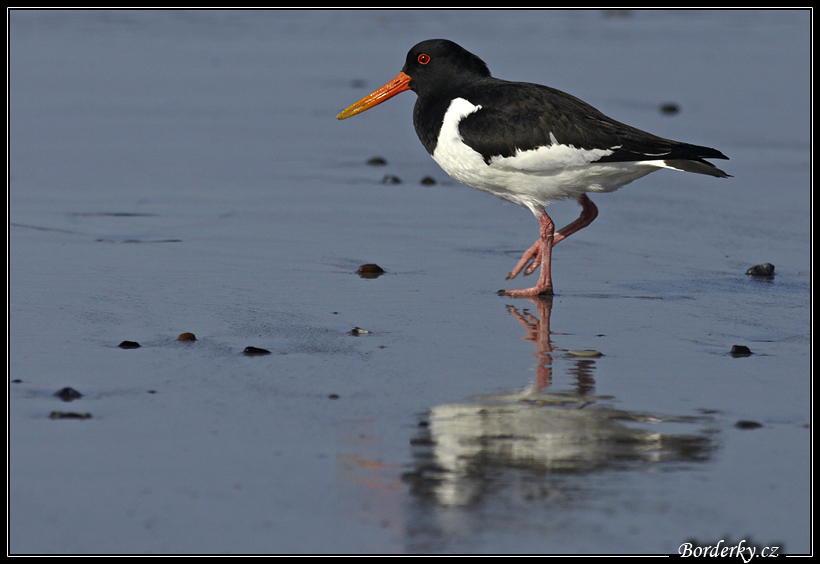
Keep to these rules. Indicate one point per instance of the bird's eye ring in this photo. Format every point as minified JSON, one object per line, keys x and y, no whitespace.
{"x":423,"y":59}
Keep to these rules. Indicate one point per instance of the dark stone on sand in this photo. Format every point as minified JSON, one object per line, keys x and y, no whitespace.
{"x":391,"y":179}
{"x":428,"y":181}
{"x":377,"y":161}
{"x":129,"y":345}
{"x":357,"y":331}
{"x":370,"y":270}
{"x":255,"y":351}
{"x":589,"y":353}
{"x":186,"y":337}
{"x":669,"y":108}
{"x":68,"y":394}
{"x":740,"y":350}
{"x":765,"y":270}
{"x":68,"y":415}
{"x":746,"y":424}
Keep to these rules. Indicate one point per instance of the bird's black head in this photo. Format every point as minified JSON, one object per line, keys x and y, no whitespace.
{"x":436,"y":62}
{"x":433,"y":67}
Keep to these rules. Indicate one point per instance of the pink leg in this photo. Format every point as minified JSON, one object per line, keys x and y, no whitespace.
{"x":544,"y":285}
{"x":540,"y":253}
{"x":588,"y":214}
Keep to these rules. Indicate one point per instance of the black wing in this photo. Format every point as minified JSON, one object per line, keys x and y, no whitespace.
{"x":521,"y":116}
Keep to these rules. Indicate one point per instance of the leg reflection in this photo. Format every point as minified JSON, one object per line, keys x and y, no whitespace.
{"x":538,"y":331}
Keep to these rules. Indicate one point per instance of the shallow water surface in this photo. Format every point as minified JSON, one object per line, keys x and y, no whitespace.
{"x":183,"y":171}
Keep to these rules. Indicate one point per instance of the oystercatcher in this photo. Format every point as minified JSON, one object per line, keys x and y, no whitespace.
{"x":526,"y":143}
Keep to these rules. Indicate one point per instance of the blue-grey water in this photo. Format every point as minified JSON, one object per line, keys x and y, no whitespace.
{"x":183,"y":171}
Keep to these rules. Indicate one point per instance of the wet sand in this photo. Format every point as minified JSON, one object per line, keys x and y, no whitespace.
{"x":176,"y":172}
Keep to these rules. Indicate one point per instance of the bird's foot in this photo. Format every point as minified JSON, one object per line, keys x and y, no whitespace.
{"x":537,"y":290}
{"x":531,"y":256}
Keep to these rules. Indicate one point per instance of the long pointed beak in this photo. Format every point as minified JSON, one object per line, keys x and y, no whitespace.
{"x":398,"y":84}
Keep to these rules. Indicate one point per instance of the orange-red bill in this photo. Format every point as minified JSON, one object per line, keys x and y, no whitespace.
{"x":398,"y":84}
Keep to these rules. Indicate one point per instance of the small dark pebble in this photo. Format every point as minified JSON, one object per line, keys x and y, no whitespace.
{"x":428,"y":181}
{"x":186,"y":337}
{"x":740,"y":350}
{"x":68,"y":394}
{"x":746,"y":424}
{"x":356,"y":331}
{"x":669,"y":108}
{"x":422,"y":441}
{"x":370,"y":270}
{"x":255,"y":351}
{"x":764,"y":270}
{"x":391,"y":179}
{"x":68,"y":415}
{"x":129,"y":345}
{"x":17,"y":381}
{"x":377,"y":161}
{"x":333,"y":396}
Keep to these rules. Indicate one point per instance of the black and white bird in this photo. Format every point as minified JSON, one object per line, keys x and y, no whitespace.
{"x":526,"y":143}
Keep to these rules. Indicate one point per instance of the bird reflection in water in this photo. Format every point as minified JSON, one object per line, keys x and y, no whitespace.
{"x":523,"y":443}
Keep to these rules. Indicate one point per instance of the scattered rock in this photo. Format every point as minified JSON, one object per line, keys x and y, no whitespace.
{"x":68,"y":394}
{"x":585,"y":353}
{"x":391,"y":179}
{"x":356,"y":331}
{"x":377,"y":161}
{"x":129,"y":345}
{"x":669,"y":108}
{"x":746,"y":424}
{"x":428,"y":181}
{"x":186,"y":337}
{"x":68,"y":415}
{"x":255,"y":351}
{"x":740,"y":350}
{"x":370,"y":270}
{"x":765,"y":270}
{"x":333,"y":396}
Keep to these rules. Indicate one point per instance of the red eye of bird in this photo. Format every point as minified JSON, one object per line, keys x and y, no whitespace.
{"x":423,"y":59}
